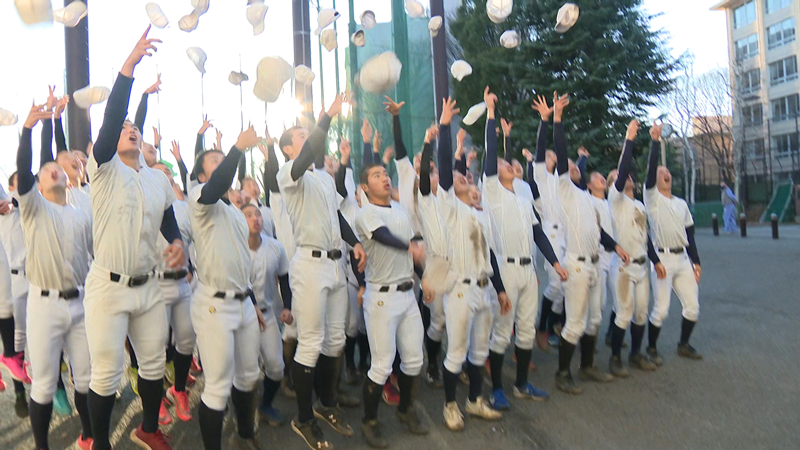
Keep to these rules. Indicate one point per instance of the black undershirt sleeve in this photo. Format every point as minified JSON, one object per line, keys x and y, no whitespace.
{"x":359,"y":275}
{"x":497,"y":280}
{"x":584,"y":176}
{"x":61,"y":140}
{"x":425,"y":170}
{"x":508,"y":153}
{"x":241,"y":171}
{"x":445,"y":158}
{"x":286,"y":291}
{"x":385,"y":237}
{"x":46,"y":153}
{"x":532,"y":183}
{"x":607,"y":241}
{"x":141,"y":113}
{"x":560,"y":140}
{"x":652,"y":165}
{"x":399,"y":148}
{"x":692,"y":248}
{"x":366,"y":155}
{"x":651,"y":252}
{"x":25,"y":179}
{"x":220,"y":181}
{"x":313,"y":147}
{"x":116,"y":109}
{"x":624,"y":168}
{"x":490,"y":162}
{"x":541,"y":142}
{"x":341,"y":173}
{"x":169,"y":226}
{"x":461,"y":165}
{"x":544,"y":244}
{"x":184,"y":172}
{"x":271,"y":177}
{"x":347,"y":232}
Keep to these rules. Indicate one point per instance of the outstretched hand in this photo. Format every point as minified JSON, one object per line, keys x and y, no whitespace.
{"x":559,"y":104}
{"x":655,"y":131}
{"x":366,"y":131}
{"x":633,"y":130}
{"x":60,"y":106}
{"x":206,"y":125}
{"x":36,"y":114}
{"x":540,"y":105}
{"x":393,"y":107}
{"x":144,"y":47}
{"x":449,"y":109}
{"x":176,"y":150}
{"x":506,"y":127}
{"x":155,"y":87}
{"x":247,"y":139}
{"x":51,"y":98}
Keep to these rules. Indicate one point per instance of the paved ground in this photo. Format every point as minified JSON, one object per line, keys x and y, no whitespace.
{"x":742,"y":395}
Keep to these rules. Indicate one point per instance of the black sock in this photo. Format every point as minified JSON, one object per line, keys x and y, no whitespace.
{"x":611,"y":319}
{"x":475,"y":381}
{"x":150,"y":392}
{"x":7,"y":336}
{"x":686,"y":330}
{"x":60,"y":382}
{"x":363,"y":350}
{"x":433,"y":348}
{"x":652,"y":335}
{"x":496,"y":366}
{"x":19,"y":388}
{"x":40,"y":423}
{"x":182,"y":365}
{"x":82,"y":405}
{"x":523,"y":361}
{"x":171,"y":351}
{"x":350,"y":352}
{"x":396,"y":363}
{"x":544,"y":314}
{"x":303,"y":378}
{"x":565,"y":351}
{"x":617,"y":336}
{"x":450,"y":381}
{"x":563,"y":318}
{"x":406,"y":385}
{"x":637,"y":334}
{"x":289,"y":347}
{"x":211,"y":426}
{"x":244,"y":403}
{"x":323,"y":381}
{"x":588,"y":344}
{"x":100,"y":409}
{"x":132,"y":355}
{"x":372,"y":398}
{"x":270,"y":389}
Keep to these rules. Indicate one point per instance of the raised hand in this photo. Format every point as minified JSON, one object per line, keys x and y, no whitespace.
{"x":506,"y":127}
{"x":344,"y":150}
{"x":431,"y":133}
{"x":336,"y":107}
{"x":540,"y":105}
{"x":51,"y":99}
{"x":377,"y":142}
{"x":387,"y":155}
{"x":583,"y":152}
{"x":461,"y":136}
{"x":449,"y":109}
{"x":559,"y":104}
{"x":36,"y":114}
{"x":219,"y":139}
{"x":155,"y":87}
{"x":176,"y":150}
{"x":144,"y":47}
{"x":206,"y":125}
{"x":264,"y":151}
{"x":527,"y":154}
{"x":156,"y":138}
{"x":655,"y":131}
{"x":247,"y":139}
{"x":393,"y":107}
{"x":366,"y":131}
{"x":633,"y":130}
{"x":60,"y":106}
{"x":490,"y":100}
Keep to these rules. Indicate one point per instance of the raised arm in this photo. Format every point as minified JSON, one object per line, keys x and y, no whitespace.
{"x":25,"y":178}
{"x":508,"y":152}
{"x":490,"y":162}
{"x":626,"y":158}
{"x":220,"y":181}
{"x":344,"y":164}
{"x":176,"y":152}
{"x":583,"y":158}
{"x":445,"y":147}
{"x":540,"y":105}
{"x":366,"y":138}
{"x":141,"y":111}
{"x":652,"y":160}
{"x":559,"y":138}
{"x":315,"y":144}
{"x":61,"y":140}
{"x":46,"y":154}
{"x":425,"y":170}
{"x":271,"y":170}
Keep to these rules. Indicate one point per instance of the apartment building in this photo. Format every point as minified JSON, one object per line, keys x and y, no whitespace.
{"x":763,"y":49}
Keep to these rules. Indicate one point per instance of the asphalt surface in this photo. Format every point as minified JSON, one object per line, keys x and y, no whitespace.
{"x":743,"y":394}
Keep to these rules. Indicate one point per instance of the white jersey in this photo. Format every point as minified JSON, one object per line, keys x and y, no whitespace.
{"x":269,"y":262}
{"x":283,"y":225}
{"x":13,"y":239}
{"x":512,"y":220}
{"x":630,"y":222}
{"x":579,"y":217}
{"x":669,"y":218}
{"x":311,"y":204}
{"x":221,"y":240}
{"x":549,"y":193}
{"x":385,"y":265}
{"x":407,"y":189}
{"x":181,"y":209}
{"x":348,"y":206}
{"x":268,"y":221}
{"x":603,"y":212}
{"x":128,"y":207}
{"x":57,"y":238}
{"x":470,"y":231}
{"x":433,"y":226}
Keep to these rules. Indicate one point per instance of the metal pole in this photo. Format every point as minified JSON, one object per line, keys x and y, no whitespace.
{"x":441,"y":78}
{"x":664,"y":152}
{"x":321,"y":71}
{"x":302,"y":56}
{"x":158,"y":109}
{"x":352,"y":63}
{"x":402,"y":91}
{"x":76,"y":43}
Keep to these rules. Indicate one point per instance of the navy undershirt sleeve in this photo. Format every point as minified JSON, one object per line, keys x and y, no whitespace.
{"x":113,"y":120}
{"x":25,"y":179}
{"x":652,"y":165}
{"x":607,"y":241}
{"x":497,"y":280}
{"x":560,"y":140}
{"x":445,"y":158}
{"x":541,"y":142}
{"x":286,"y":291}
{"x":221,"y":180}
{"x":385,"y":237}
{"x":347,"y":232}
{"x":544,"y":244}
{"x":692,"y":248}
{"x":624,"y":168}
{"x":169,"y":226}
{"x":313,"y":147}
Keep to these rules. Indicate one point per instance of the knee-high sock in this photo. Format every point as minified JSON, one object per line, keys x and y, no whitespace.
{"x":396,"y":364}
{"x":686,"y":330}
{"x":565,"y":351}
{"x":182,"y":365}
{"x":372,"y":398}
{"x":523,"y":361}
{"x":7,"y":336}
{"x":132,"y":354}
{"x":170,"y":347}
{"x":324,"y":379}
{"x":100,"y":408}
{"x":611,"y":319}
{"x":270,"y":389}
{"x":475,"y":381}
{"x":289,"y":347}
{"x":19,"y":388}
{"x":617,"y":336}
{"x":40,"y":423}
{"x":637,"y":334}
{"x":588,"y":344}
{"x":406,"y":385}
{"x":350,"y":352}
{"x":544,"y":315}
{"x":652,"y":335}
{"x":245,"y":404}
{"x":211,"y":426}
{"x":450,"y":381}
{"x":151,"y":392}
{"x":433,"y":348}
{"x":82,"y":405}
{"x":303,"y":378}
{"x":363,"y":350}
{"x":496,"y":365}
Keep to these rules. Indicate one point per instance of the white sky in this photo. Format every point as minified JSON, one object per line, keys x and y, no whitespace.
{"x":33,"y":57}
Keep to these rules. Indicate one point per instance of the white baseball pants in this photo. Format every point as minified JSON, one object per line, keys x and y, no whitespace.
{"x":631,"y":293}
{"x":583,"y":299}
{"x":355,"y":313}
{"x":114,"y":311}
{"x":394,"y":324}
{"x":271,"y":348}
{"x":6,"y":300}
{"x":56,"y":324}
{"x":229,"y":344}
{"x":680,"y":277}
{"x":437,"y":326}
{"x":523,"y":291}
{"x":19,"y":292}
{"x":468,"y":313}
{"x":319,"y":306}
{"x":555,"y":287}
{"x":178,"y":302}
{"x":605,"y":279}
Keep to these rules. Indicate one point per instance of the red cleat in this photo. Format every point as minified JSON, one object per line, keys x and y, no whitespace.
{"x":195,"y":368}
{"x":390,"y":394}
{"x":2,"y":383}
{"x":152,"y":441}
{"x":16,"y":365}
{"x":84,"y":444}
{"x":190,"y":380}
{"x":181,"y":402}
{"x":164,"y":417}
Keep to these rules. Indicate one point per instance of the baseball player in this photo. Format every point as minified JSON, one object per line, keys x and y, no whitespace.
{"x":515,"y":230}
{"x":57,"y":237}
{"x":468,"y":311}
{"x":672,"y":231}
{"x":582,"y":290}
{"x":392,"y":317}
{"x":631,"y":283}
{"x":270,"y":270}
{"x":6,"y":305}
{"x":122,"y":295}
{"x":319,"y":291}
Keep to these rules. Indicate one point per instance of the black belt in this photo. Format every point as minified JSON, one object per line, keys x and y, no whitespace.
{"x":593,"y":258}
{"x":555,"y":226}
{"x":524,"y":261}
{"x":332,"y":254}
{"x":402,"y":287}
{"x":135,"y":281}
{"x":677,"y":250}
{"x":16,"y":272}
{"x":69,"y":294}
{"x":238,"y":296}
{"x":417,"y":238}
{"x":179,"y":275}
{"x":640,"y":260}
{"x":483,"y":282}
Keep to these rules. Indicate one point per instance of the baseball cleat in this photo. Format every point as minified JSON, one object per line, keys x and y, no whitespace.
{"x":311,"y":434}
{"x":531,"y":392}
{"x":164,"y":417}
{"x":391,"y":396}
{"x":2,"y":384}
{"x":453,"y":417}
{"x":181,"y":402}
{"x":542,"y":342}
{"x":433,"y":378}
{"x":565,"y":383}
{"x":480,"y":408}
{"x":151,"y":441}
{"x":195,"y":367}
{"x":169,"y":372}
{"x":655,"y":357}
{"x":595,"y":374}
{"x":133,"y":376}
{"x":687,"y":351}
{"x":332,"y":416}
{"x":499,"y":400}
{"x":61,"y":404}
{"x":272,"y":415}
{"x":617,"y":368}
{"x":287,"y":389}
{"x":411,"y":419}
{"x":641,"y":362}
{"x":552,"y":340}
{"x":16,"y":366}
{"x":84,"y":444}
{"x":372,"y":433}
{"x":237,"y":442}
{"x":21,"y":405}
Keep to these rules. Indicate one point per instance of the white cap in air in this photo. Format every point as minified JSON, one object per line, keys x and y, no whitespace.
{"x":358,"y":38}
{"x":200,"y":7}
{"x":272,"y":73}
{"x":90,"y":95}
{"x":34,"y":11}
{"x":380,"y":73}
{"x":460,"y":69}
{"x":198,"y":57}
{"x":188,"y":23}
{"x":414,"y":9}
{"x":255,"y":15}
{"x":368,"y":19}
{"x":510,"y":39}
{"x":328,"y":39}
{"x":567,"y":16}
{"x":499,"y":10}
{"x":71,"y":14}
{"x":157,"y":17}
{"x":236,"y":78}
{"x":434,"y":25}
{"x":474,"y":113}
{"x":7,"y":118}
{"x":303,"y":74}
{"x":325,"y":18}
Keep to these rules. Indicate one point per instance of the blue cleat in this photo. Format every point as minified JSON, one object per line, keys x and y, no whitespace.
{"x":272,"y":415}
{"x":499,"y":400}
{"x":61,"y":404}
{"x":530,"y":392}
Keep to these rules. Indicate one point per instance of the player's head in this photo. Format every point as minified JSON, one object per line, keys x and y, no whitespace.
{"x":550,"y":160}
{"x":150,"y":154}
{"x":161,"y":167}
{"x":574,"y":172}
{"x":460,"y":184}
{"x":505,"y":171}
{"x":255,"y":222}
{"x":474,"y":196}
{"x":375,"y":182}
{"x":597,"y":183}
{"x":207,"y":163}
{"x":12,"y":182}
{"x":663,"y":179}
{"x":130,"y":140}
{"x":722,"y":185}
{"x":52,"y":177}
{"x":251,"y":187}
{"x":69,"y":162}
{"x":517,"y":166}
{"x":292,"y":141}
{"x":246,"y":198}
{"x":81,"y":156}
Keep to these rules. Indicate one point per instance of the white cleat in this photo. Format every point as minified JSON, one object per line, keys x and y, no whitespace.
{"x":453,"y":417}
{"x":480,"y":408}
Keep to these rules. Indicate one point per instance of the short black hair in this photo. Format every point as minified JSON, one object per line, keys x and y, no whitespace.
{"x":363,"y":176}
{"x":198,"y":164}
{"x":248,"y":204}
{"x":287,"y":137}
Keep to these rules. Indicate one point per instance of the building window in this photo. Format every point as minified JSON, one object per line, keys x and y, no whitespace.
{"x":785,"y":108}
{"x":781,"y":33}
{"x":752,"y":115}
{"x":750,"y":82}
{"x":754,"y":147}
{"x":785,"y":144}
{"x":747,"y":47}
{"x":744,"y":15}
{"x":774,"y":5}
{"x":783,"y":70}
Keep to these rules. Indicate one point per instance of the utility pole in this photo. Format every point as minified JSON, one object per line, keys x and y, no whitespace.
{"x":352,"y":62}
{"x":441,"y":78}
{"x":76,"y":43}
{"x":402,"y":91}
{"x":301,"y":24}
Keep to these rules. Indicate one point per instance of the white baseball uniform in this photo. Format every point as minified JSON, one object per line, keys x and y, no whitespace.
{"x":393,"y":320}
{"x":269,"y":262}
{"x":14,"y":242}
{"x":606,"y":257}
{"x":6,"y":303}
{"x":285,"y":236}
{"x":554,"y":228}
{"x":437,"y":247}
{"x":349,"y":209}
